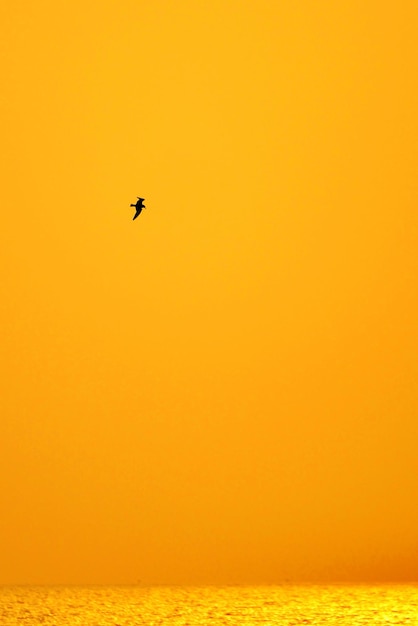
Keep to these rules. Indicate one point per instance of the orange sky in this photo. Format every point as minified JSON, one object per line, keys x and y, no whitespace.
{"x":224,"y":390}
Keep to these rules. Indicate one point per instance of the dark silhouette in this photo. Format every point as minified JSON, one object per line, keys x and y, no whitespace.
{"x":139,"y":206}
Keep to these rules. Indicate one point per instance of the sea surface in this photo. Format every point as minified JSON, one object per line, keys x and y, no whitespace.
{"x":287,"y":605}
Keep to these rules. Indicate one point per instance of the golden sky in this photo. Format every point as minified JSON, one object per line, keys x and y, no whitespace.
{"x":224,"y":390}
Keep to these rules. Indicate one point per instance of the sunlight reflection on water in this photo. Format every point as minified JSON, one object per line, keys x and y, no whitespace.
{"x":287,"y":605}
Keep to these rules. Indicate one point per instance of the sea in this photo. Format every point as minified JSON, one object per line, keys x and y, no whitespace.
{"x":284,"y":605}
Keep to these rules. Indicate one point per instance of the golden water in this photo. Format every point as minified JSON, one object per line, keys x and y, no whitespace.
{"x":287,"y":605}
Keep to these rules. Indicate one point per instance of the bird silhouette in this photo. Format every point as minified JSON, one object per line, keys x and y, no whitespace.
{"x":139,"y":205}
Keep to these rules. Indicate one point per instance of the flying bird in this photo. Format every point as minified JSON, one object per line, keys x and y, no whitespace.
{"x":139,"y":206}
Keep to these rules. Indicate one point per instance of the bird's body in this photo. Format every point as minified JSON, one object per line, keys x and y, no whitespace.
{"x":139,"y":205}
